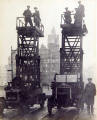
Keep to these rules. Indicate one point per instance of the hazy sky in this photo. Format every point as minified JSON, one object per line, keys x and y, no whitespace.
{"x":50,"y":12}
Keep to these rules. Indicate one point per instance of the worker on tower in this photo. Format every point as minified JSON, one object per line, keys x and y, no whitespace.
{"x":76,"y":16}
{"x":79,"y":14}
{"x":36,"y":15}
{"x":27,"y":14}
{"x":67,"y":16}
{"x":90,"y":92}
{"x":81,"y":9}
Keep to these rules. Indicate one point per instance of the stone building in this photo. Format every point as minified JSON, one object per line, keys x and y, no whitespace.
{"x":11,"y":67}
{"x":3,"y":75}
{"x":50,"y":58}
{"x":53,"y":54}
{"x":44,"y":62}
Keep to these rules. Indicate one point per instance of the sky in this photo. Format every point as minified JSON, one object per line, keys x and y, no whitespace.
{"x":50,"y":12}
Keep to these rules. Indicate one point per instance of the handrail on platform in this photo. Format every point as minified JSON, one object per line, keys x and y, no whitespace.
{"x":63,"y":18}
{"x":20,"y":22}
{"x":72,"y":17}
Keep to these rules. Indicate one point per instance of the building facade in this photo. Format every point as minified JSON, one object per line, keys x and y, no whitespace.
{"x":50,"y":58}
{"x":11,"y":67}
{"x":3,"y":75}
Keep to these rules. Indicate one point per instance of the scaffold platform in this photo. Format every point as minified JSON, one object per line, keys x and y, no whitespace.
{"x":29,"y":31}
{"x":72,"y":30}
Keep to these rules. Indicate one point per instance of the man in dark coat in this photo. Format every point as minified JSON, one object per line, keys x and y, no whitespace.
{"x":79,"y":14}
{"x":67,"y":16}
{"x":81,"y":9}
{"x":90,"y":92}
{"x":36,"y":16}
{"x":27,"y":14}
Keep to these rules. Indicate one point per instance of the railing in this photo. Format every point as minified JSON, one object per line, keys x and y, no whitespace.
{"x":63,"y":18}
{"x":20,"y":22}
{"x":72,"y":17}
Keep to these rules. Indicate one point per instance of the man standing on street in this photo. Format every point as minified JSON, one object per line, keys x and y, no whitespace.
{"x":27,"y":14}
{"x":90,"y":92}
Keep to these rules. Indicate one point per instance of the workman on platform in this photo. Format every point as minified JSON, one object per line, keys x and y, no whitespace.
{"x":76,"y":17}
{"x":36,"y":16}
{"x":90,"y":92}
{"x":81,"y":9}
{"x":67,"y":16}
{"x":79,"y":14}
{"x":27,"y":14}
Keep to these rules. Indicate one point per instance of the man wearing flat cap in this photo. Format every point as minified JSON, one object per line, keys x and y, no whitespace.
{"x":67,"y":16}
{"x":79,"y":14}
{"x":81,"y":9}
{"x":37,"y":17}
{"x":27,"y":14}
{"x":90,"y":92}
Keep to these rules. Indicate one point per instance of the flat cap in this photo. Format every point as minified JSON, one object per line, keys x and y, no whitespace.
{"x":35,"y":8}
{"x":28,"y":6}
{"x":66,"y":8}
{"x":79,"y":1}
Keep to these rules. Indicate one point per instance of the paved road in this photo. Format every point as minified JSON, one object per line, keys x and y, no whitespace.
{"x":41,"y":114}
{"x":62,"y":114}
{"x":35,"y":113}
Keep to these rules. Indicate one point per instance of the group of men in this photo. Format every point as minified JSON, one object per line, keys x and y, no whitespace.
{"x":28,"y":14}
{"x":78,"y":16}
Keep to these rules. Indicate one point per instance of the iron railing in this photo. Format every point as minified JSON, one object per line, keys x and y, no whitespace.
{"x":72,"y":17}
{"x":20,"y":22}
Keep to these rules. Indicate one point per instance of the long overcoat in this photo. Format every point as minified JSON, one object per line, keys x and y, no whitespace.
{"x":90,"y":92}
